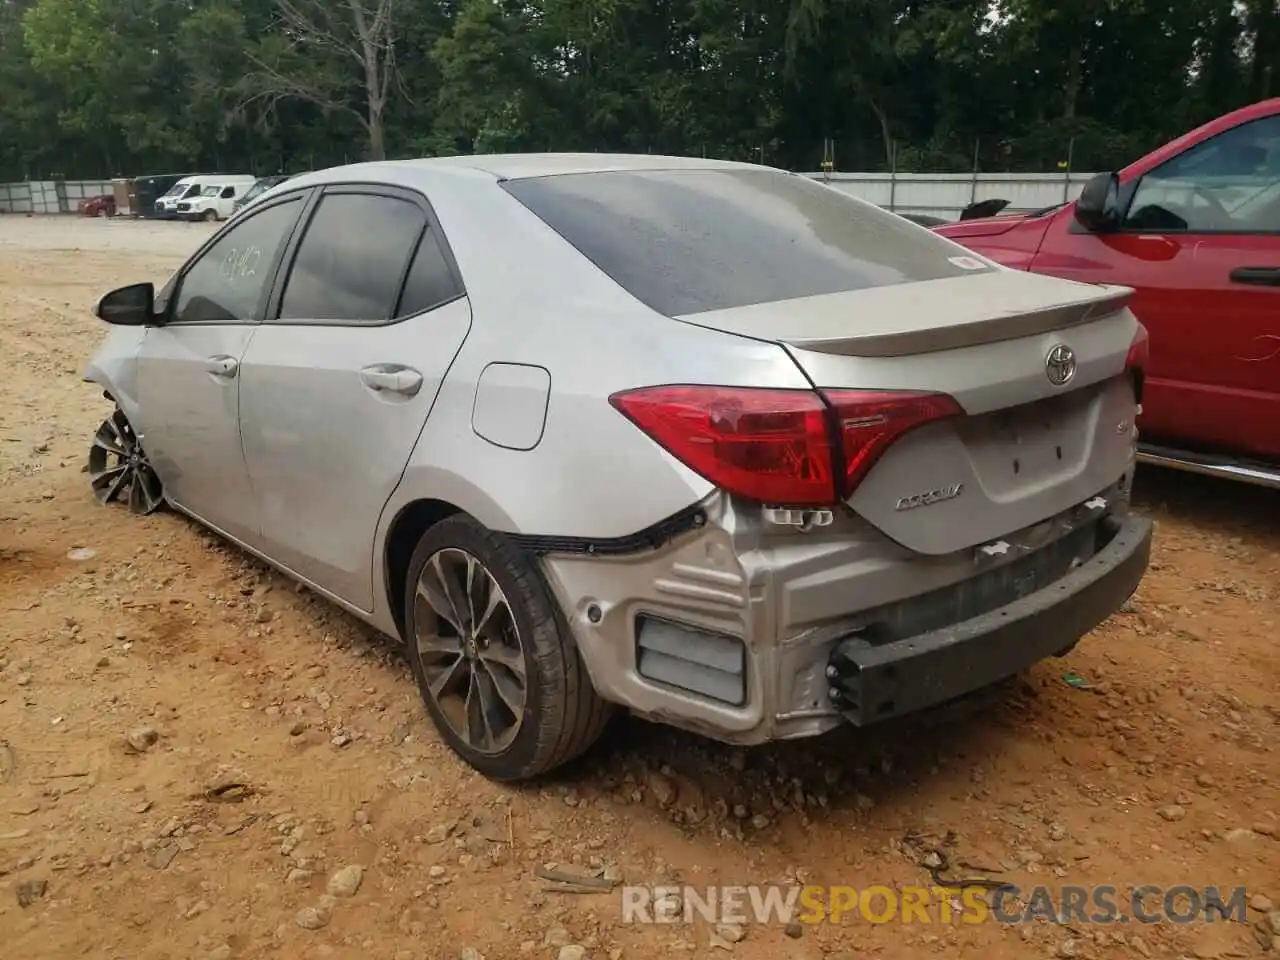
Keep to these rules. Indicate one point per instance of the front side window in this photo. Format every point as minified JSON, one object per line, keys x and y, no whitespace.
{"x":228,"y":193}
{"x":1226,"y":184}
{"x":352,"y":259}
{"x":690,"y":241}
{"x":228,"y":282}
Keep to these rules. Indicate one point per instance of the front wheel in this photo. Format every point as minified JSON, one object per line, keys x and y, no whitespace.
{"x":119,"y":470}
{"x":209,"y":216}
{"x":496,"y":666}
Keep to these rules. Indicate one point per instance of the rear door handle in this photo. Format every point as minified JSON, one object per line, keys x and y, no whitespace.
{"x":222,"y":366}
{"x":391,"y":378}
{"x":1259,"y":276}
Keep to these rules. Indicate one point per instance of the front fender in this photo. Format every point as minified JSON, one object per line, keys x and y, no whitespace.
{"x":115,"y":368}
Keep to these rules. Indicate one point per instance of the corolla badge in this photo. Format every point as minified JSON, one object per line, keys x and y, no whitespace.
{"x":929,"y":497}
{"x":1060,"y":365}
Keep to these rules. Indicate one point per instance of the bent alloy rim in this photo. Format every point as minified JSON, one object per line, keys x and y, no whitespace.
{"x":470,"y":650}
{"x":118,"y":467}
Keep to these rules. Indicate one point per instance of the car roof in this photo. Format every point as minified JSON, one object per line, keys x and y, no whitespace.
{"x":519,"y":166}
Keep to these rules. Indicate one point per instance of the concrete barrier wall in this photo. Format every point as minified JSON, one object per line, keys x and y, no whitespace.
{"x":15,"y":197}
{"x":49,"y":196}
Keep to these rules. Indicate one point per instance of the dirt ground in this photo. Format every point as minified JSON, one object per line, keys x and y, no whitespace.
{"x":289,"y":741}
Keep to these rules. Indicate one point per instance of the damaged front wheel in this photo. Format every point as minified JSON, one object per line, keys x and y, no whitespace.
{"x":119,"y":470}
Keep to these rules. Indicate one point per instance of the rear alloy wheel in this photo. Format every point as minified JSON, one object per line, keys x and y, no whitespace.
{"x":495,"y":664}
{"x":119,"y":470}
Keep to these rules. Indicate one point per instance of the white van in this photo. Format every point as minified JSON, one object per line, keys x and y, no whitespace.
{"x":168,"y":202}
{"x":216,"y":199}
{"x":188,"y":188}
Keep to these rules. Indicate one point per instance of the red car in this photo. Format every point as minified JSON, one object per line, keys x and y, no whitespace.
{"x":103,"y":205}
{"x":1194,"y":229}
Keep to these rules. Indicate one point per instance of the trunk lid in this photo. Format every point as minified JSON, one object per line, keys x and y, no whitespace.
{"x":1025,"y":449}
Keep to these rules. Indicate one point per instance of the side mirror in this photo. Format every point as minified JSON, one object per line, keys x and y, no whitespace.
{"x":1098,"y":207}
{"x":131,"y":306}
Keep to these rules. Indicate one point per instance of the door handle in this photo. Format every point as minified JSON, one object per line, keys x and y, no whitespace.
{"x":391,"y":378}
{"x":1259,"y":276}
{"x":222,"y":366}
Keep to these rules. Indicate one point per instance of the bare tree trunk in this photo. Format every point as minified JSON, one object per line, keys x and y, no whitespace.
{"x":356,"y":32}
{"x":1071,"y":88}
{"x":1265,"y":21}
{"x":885,"y":133}
{"x":377,"y":136}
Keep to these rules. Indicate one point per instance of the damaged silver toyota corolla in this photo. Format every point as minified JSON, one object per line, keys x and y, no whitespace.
{"x":708,"y":441}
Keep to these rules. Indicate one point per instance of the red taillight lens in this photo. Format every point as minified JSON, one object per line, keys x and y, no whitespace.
{"x":1136,"y":362}
{"x":871,"y":420}
{"x":773,"y":446}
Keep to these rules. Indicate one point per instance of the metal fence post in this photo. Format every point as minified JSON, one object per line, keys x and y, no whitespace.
{"x":973,"y":184}
{"x":893,"y":176}
{"x":1066,"y":183}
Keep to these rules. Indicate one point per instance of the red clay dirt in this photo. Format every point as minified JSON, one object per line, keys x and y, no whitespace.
{"x":191,"y":748}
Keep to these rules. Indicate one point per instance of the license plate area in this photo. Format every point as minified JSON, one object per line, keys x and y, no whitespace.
{"x":1020,"y":445}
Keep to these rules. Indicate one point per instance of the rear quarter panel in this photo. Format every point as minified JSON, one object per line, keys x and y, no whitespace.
{"x":538,"y":303}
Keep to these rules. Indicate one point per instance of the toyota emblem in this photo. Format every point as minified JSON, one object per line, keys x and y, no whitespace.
{"x":1060,"y":365}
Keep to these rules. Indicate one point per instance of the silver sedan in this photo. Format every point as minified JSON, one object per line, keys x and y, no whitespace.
{"x":707,"y":441}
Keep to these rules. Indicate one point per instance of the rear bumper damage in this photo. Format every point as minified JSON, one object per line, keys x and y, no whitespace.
{"x":871,"y":682}
{"x":747,"y":632}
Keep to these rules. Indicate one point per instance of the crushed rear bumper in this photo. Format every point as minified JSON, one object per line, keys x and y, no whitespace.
{"x":871,"y":682}
{"x":739,"y":630}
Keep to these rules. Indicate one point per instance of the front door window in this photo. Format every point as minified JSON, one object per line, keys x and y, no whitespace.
{"x":229,"y":282}
{"x":1226,"y":184}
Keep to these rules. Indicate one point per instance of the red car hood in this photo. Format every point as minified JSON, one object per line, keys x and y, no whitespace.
{"x":981,"y":226}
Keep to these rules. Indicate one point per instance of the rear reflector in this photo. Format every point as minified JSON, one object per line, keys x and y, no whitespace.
{"x":872,"y":420}
{"x":776,"y":446}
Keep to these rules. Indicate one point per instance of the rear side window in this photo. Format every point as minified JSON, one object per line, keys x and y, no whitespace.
{"x":352,"y":259}
{"x":689,"y":241}
{"x":430,"y":281}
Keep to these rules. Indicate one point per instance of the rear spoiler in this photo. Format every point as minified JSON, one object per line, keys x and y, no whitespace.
{"x":983,"y":208}
{"x":986,"y":328}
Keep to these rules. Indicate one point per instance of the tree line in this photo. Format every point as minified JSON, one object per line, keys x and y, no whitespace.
{"x":97,"y":88}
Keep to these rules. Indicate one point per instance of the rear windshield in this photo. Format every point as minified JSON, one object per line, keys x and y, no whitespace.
{"x":689,"y":241}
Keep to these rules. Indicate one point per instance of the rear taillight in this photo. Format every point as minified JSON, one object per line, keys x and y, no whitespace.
{"x":776,"y":446}
{"x":768,"y":445}
{"x":872,"y":420}
{"x":1136,"y":362}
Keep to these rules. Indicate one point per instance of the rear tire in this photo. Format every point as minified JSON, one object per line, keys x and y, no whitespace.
{"x":510,"y":644}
